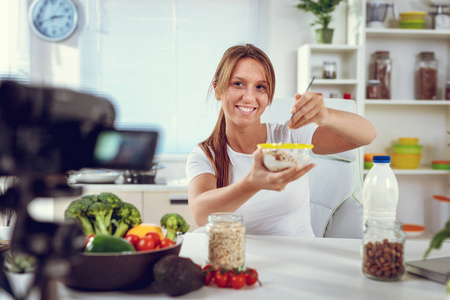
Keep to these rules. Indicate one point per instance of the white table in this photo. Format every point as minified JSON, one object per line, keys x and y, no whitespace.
{"x":299,"y":268}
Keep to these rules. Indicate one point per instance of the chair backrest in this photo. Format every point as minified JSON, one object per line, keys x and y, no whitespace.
{"x":335,"y":183}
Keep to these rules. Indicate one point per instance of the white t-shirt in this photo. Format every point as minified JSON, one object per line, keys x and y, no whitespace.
{"x":267,"y":212}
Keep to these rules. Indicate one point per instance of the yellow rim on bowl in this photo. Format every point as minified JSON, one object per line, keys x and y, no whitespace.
{"x":285,"y":146}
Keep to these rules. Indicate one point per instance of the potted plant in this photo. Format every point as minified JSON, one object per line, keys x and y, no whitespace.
{"x":436,"y":243}
{"x":322,"y":10}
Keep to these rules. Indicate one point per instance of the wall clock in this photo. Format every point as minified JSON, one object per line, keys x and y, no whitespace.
{"x":53,"y":20}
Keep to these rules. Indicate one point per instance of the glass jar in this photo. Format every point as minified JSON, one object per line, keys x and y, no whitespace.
{"x":373,"y":90}
{"x":383,"y":250}
{"x":226,"y":240}
{"x":447,"y":91}
{"x":329,"y":70}
{"x":382,"y":70}
{"x":426,"y":76}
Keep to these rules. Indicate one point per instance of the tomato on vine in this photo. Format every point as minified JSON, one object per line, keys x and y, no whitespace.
{"x":237,"y":280}
{"x":251,"y":276}
{"x":221,"y":278}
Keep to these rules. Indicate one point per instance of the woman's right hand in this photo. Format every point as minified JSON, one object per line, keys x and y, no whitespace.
{"x":262,"y":178}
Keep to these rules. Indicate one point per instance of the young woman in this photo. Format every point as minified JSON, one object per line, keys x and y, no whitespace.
{"x":226,"y":172}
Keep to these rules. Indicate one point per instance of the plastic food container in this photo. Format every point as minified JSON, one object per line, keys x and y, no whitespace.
{"x":413,"y":230}
{"x":408,"y":141}
{"x":277,"y":157}
{"x":440,"y":210}
{"x":441,"y":164}
{"x":405,"y":161}
{"x":368,"y":159}
{"x":415,"y":24}
{"x":412,"y":16}
{"x":407,"y":149}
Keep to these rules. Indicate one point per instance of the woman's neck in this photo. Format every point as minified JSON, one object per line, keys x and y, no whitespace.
{"x":245,"y":140}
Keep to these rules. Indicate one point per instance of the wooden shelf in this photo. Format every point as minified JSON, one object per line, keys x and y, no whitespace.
{"x":405,"y":102}
{"x":335,"y":81}
{"x":419,"y":171}
{"x":407,"y":33}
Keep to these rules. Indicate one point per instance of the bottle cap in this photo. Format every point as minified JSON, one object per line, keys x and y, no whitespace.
{"x":381,"y":159}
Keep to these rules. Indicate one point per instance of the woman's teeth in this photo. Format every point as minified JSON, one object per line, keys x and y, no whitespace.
{"x":245,"y":109}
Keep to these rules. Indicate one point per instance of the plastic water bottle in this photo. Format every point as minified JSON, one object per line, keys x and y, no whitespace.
{"x":380,"y":191}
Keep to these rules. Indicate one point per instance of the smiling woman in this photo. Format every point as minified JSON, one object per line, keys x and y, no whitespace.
{"x":226,"y":171}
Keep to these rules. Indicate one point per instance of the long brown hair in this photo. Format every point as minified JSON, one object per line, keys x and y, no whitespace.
{"x":215,"y":146}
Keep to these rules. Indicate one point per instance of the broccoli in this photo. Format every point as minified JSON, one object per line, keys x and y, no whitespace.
{"x":100,"y":212}
{"x":126,"y":216}
{"x":77,"y":212}
{"x":174,"y":223}
{"x":114,"y":202}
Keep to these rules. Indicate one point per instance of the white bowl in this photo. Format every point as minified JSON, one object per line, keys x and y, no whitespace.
{"x":277,"y":157}
{"x":94,"y":176}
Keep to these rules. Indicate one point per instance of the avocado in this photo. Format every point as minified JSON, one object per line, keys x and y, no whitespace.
{"x":176,"y":276}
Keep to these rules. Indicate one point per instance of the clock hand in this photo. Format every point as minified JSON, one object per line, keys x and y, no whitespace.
{"x":52,"y":18}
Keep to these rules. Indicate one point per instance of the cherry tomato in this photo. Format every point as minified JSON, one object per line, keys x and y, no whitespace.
{"x":86,"y":240}
{"x":237,"y":281}
{"x":166,"y":243}
{"x":145,"y":243}
{"x":209,"y":273}
{"x":133,"y":238}
{"x":155,"y":237}
{"x":221,"y":279}
{"x":251,"y":276}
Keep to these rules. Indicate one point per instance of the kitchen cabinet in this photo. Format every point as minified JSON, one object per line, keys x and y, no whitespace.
{"x":402,"y":115}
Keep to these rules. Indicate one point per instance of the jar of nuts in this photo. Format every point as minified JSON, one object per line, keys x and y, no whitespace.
{"x":226,"y":240}
{"x":383,"y":254}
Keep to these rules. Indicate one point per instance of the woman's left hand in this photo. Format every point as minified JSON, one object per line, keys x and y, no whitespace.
{"x":308,"y":108}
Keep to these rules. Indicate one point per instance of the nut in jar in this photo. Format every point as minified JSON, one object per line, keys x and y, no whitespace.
{"x":383,"y":256}
{"x":226,"y":240}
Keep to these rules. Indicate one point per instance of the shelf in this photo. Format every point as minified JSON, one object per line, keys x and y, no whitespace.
{"x":407,"y":33}
{"x":335,"y":81}
{"x":332,"y":47}
{"x":419,"y":171}
{"x":406,"y":102}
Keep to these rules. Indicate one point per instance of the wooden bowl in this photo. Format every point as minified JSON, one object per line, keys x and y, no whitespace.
{"x":116,"y":271}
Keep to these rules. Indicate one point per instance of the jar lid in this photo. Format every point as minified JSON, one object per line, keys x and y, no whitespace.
{"x":441,"y":198}
{"x":382,"y":52}
{"x":426,"y":53}
{"x":329,"y":62}
{"x":381,"y":159}
{"x":374,"y":81}
{"x":225,"y":217}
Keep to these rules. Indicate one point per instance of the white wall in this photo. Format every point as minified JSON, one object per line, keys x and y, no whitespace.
{"x":155,"y":58}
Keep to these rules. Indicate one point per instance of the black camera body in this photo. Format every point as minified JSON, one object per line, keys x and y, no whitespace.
{"x":48,"y":130}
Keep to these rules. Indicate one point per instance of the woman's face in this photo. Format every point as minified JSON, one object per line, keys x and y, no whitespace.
{"x":247,"y":96}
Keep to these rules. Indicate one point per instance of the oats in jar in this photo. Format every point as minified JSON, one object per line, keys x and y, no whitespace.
{"x":226,"y":241}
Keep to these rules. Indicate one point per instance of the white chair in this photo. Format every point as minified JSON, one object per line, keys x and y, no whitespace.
{"x":335,"y":183}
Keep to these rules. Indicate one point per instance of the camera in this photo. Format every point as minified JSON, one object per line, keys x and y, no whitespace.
{"x":46,"y":132}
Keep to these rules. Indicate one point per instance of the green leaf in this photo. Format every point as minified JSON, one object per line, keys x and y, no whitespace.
{"x":438,"y":239}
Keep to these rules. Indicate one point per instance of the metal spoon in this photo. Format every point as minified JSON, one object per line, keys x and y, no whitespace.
{"x":284,"y":128}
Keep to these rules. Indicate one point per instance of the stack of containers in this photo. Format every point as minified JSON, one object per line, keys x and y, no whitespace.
{"x":412,"y":20}
{"x":407,"y":153}
{"x":368,"y":159}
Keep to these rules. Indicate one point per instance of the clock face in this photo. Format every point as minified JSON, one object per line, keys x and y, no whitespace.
{"x":442,"y":21}
{"x":53,"y":20}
